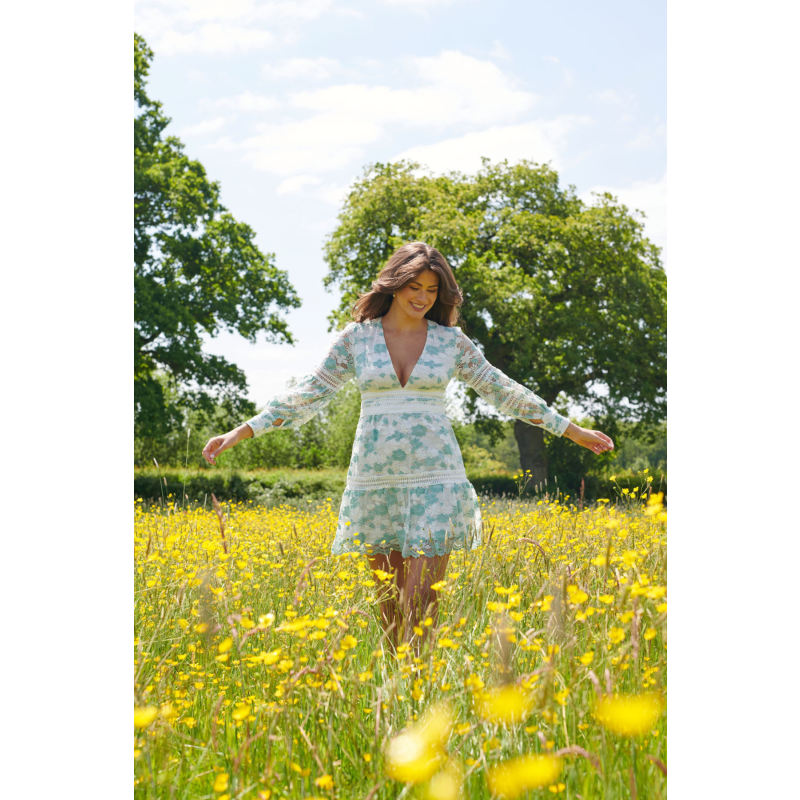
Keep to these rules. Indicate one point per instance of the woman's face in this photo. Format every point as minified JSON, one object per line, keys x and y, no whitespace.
{"x":417,"y":296}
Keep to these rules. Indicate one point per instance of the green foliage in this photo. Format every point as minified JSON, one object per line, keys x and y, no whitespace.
{"x":196,"y":271}
{"x":641,"y":447}
{"x":498,"y":441}
{"x":324,"y":441}
{"x":578,"y":292}
{"x":267,"y":487}
{"x":275,"y":486}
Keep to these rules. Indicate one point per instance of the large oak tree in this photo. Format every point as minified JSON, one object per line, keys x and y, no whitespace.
{"x":196,"y":269}
{"x":565,"y":298}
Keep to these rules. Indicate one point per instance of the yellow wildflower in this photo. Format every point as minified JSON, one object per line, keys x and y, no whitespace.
{"x":629,"y":715}
{"x":507,"y":704}
{"x":142,"y":717}
{"x":509,"y":779}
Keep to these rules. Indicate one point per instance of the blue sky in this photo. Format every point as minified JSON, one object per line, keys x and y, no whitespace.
{"x":285,"y":102}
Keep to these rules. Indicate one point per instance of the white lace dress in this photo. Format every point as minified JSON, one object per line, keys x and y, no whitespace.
{"x":406,"y":485}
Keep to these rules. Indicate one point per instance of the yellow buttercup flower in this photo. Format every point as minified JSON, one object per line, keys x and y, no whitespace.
{"x":142,"y":717}
{"x":225,"y":645}
{"x":511,"y":778}
{"x":410,"y":759}
{"x":417,"y":753}
{"x":576,"y":595}
{"x":446,"y":784}
{"x":616,"y":635}
{"x":508,"y":704}
{"x":629,"y":715}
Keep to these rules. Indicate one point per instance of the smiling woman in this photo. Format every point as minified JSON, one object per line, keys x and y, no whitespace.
{"x":407,"y":503}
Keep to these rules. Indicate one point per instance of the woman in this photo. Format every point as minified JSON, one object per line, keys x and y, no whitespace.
{"x":407,"y":503}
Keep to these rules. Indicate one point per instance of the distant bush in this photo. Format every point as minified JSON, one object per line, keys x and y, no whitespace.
{"x":272,"y":487}
{"x":261,"y":486}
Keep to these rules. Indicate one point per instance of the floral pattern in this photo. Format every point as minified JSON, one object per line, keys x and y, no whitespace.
{"x":406,"y":485}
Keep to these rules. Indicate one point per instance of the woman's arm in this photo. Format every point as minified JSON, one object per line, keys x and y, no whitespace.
{"x":301,"y":402}
{"x":515,"y":400}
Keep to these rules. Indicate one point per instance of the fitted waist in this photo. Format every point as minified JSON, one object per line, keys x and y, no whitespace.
{"x":400,"y":401}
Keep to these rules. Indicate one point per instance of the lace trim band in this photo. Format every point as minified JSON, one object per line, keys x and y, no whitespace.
{"x":435,"y":394}
{"x":402,"y":407}
{"x":327,"y":377}
{"x":402,"y":402}
{"x":444,"y":477}
{"x":480,"y":380}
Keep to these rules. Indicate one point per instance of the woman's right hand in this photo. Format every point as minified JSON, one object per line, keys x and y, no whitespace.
{"x":218,"y":444}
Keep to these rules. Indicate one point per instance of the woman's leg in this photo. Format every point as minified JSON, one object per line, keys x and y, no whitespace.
{"x":400,"y":580}
{"x":420,"y":599}
{"x":389,"y":592}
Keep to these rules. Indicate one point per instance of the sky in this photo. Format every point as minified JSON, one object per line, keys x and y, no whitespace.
{"x":285,"y":103}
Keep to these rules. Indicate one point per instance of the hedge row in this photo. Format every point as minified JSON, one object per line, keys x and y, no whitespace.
{"x":267,"y":486}
{"x":270,"y":487}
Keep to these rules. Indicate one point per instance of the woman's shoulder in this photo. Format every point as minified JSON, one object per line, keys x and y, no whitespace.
{"x":453,"y":330}
{"x":353,"y":329}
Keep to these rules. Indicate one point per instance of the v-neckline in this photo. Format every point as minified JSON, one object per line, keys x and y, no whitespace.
{"x":424,"y":348}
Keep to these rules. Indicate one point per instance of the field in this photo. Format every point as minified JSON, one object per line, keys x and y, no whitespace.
{"x":259,"y":670}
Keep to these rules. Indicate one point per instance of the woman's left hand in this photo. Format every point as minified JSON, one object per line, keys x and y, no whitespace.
{"x":595,"y":441}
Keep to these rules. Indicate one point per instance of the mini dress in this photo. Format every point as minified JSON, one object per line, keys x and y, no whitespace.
{"x":406,"y":488}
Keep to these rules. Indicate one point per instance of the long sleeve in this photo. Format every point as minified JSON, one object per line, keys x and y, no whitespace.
{"x":504,"y":393}
{"x":314,"y":391}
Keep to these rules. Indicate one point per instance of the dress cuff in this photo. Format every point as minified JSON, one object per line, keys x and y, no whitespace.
{"x":560,"y":424}
{"x":262,"y":423}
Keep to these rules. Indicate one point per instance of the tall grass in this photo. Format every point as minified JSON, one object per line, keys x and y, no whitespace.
{"x":260,"y":672}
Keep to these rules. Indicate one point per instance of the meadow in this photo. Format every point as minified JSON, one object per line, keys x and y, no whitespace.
{"x":260,"y":671}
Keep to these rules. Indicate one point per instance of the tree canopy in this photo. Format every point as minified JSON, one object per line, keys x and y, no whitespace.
{"x":565,"y":298}
{"x":196,"y":270}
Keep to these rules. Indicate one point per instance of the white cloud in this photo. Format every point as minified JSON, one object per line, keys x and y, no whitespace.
{"x":419,"y":6}
{"x":344,"y":119}
{"x":499,"y":51}
{"x":647,"y":138}
{"x":455,"y":88}
{"x":274,"y":11}
{"x":310,"y":68}
{"x":539,"y":141}
{"x":611,"y":97}
{"x":331,"y":193}
{"x":647,"y":196}
{"x":213,"y":39}
{"x":203,"y":128}
{"x":348,"y":12}
{"x":249,"y":101}
{"x":295,"y":184}
{"x":219,"y":27}
{"x":317,"y":144}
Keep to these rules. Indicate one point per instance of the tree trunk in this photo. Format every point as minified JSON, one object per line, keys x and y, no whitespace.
{"x":532,"y":452}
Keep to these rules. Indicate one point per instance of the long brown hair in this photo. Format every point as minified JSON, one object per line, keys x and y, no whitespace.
{"x":405,"y":265}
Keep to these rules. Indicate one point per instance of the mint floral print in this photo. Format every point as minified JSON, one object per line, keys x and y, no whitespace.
{"x":406,"y":485}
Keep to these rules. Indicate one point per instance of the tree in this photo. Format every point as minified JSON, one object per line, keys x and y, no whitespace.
{"x":563,"y":297}
{"x":196,"y":269}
